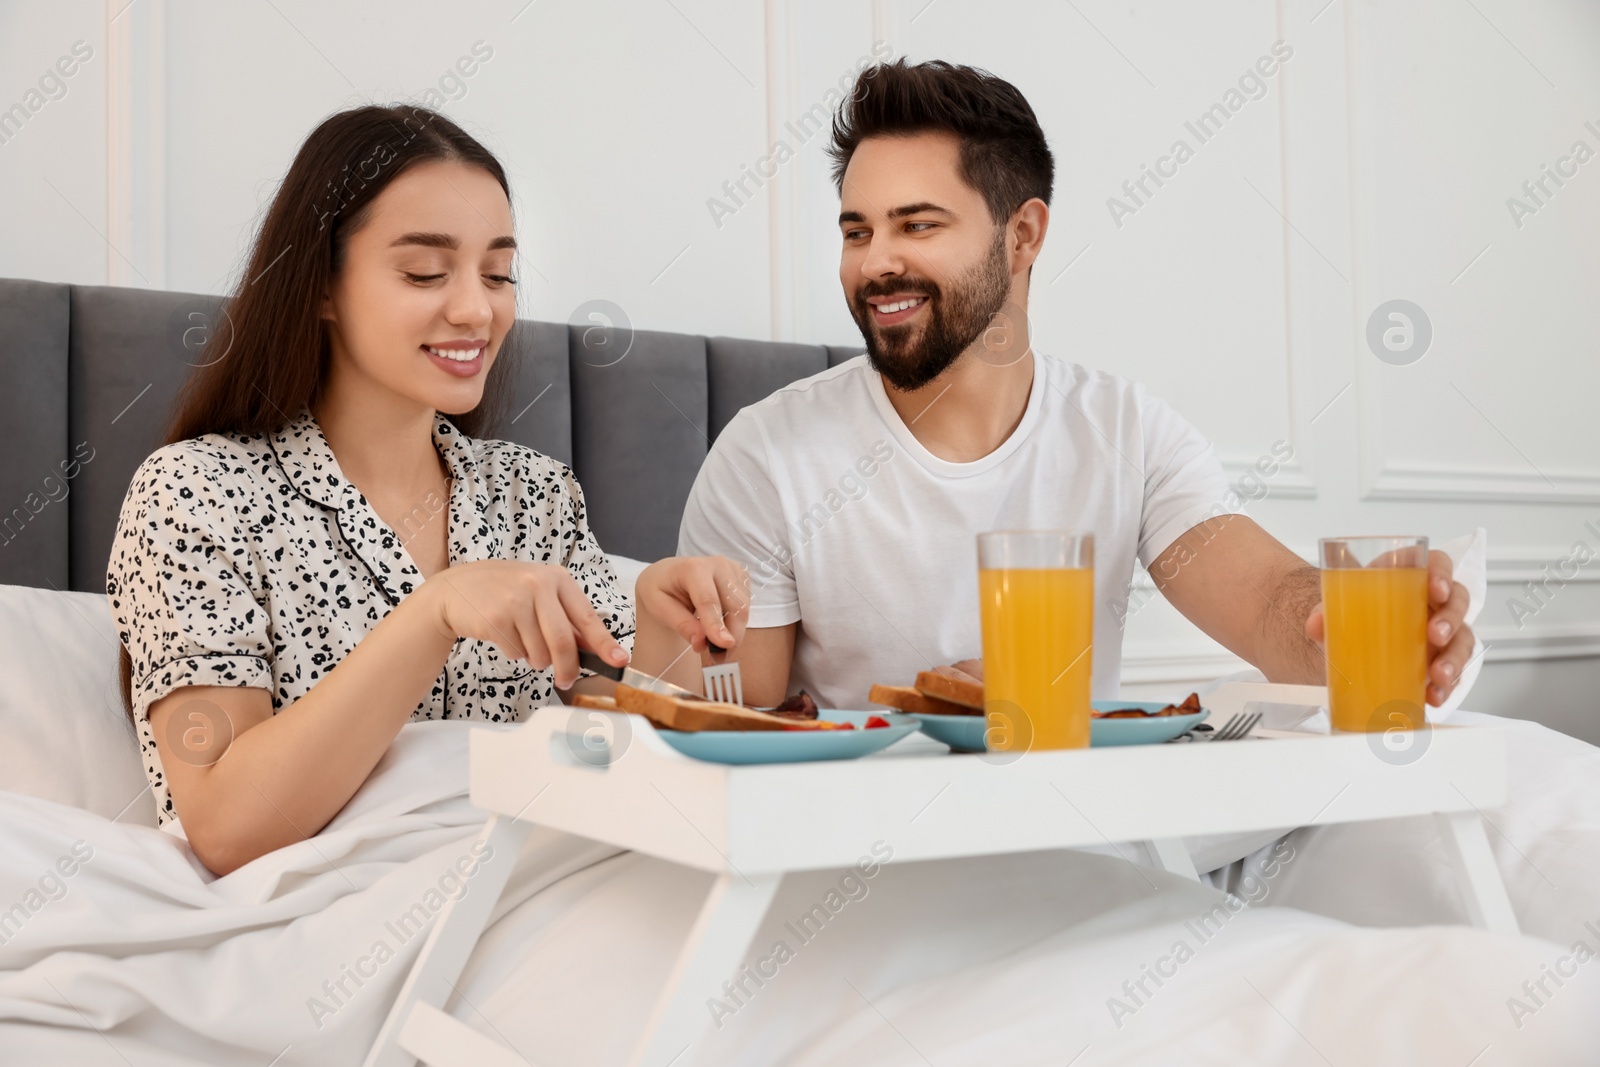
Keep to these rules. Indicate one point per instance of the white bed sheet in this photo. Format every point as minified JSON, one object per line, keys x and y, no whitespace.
{"x":1546,"y":840}
{"x":1016,"y":961}
{"x":146,"y":958}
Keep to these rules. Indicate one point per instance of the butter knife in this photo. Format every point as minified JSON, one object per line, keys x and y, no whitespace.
{"x":629,"y":676}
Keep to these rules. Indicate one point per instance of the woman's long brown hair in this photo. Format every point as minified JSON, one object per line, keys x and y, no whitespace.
{"x":267,"y":356}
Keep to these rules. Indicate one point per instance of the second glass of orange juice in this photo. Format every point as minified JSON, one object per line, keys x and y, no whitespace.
{"x":1036,"y":589}
{"x":1375,"y":613}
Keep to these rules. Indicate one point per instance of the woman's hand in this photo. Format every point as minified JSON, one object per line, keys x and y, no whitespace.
{"x":532,"y":611}
{"x":701,"y":599}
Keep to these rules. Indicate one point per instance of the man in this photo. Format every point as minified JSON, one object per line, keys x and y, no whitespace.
{"x":855,"y":496}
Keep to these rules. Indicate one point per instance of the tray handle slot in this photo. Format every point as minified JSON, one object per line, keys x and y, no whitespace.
{"x":591,"y":738}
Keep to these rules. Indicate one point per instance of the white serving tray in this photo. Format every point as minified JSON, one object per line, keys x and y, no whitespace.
{"x":751,"y":824}
{"x":928,"y":803}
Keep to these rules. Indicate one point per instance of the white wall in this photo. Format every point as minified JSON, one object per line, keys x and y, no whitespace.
{"x":1377,"y":165}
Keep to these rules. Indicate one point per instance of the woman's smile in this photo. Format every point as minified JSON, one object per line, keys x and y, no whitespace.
{"x":464,"y":359}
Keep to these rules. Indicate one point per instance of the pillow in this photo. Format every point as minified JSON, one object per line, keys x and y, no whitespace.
{"x":63,"y":733}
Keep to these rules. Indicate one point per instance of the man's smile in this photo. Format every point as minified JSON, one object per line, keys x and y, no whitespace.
{"x":893,"y":310}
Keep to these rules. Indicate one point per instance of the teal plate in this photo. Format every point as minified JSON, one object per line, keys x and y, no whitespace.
{"x":1103,"y":733}
{"x":794,"y":746}
{"x":964,"y":733}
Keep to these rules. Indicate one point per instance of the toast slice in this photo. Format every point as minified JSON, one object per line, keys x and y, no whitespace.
{"x":907,"y":699}
{"x":955,"y":687}
{"x":587,"y":700}
{"x":693,"y":716}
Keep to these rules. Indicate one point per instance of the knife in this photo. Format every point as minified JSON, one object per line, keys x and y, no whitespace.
{"x":629,"y":676}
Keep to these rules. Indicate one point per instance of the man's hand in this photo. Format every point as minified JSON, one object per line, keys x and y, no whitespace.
{"x":1450,"y":639}
{"x":704,"y":599}
{"x":686,"y":603}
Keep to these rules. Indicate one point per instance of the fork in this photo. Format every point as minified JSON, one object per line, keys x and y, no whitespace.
{"x":1237,"y":728}
{"x":722,"y":680}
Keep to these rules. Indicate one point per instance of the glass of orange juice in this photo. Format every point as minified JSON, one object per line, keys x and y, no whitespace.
{"x":1375,"y":611}
{"x":1036,"y":589}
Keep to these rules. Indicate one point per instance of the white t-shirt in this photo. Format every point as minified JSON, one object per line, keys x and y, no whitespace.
{"x":852,"y":528}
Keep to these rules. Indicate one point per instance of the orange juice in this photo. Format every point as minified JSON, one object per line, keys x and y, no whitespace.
{"x":1377,"y":641}
{"x":1038,"y":638}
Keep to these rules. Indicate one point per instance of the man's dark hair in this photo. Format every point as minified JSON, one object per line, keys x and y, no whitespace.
{"x":1003,"y":151}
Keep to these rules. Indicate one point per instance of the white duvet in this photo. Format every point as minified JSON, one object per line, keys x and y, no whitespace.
{"x":1546,"y":839}
{"x":118,"y":948}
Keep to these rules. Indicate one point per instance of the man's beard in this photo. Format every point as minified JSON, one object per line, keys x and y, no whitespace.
{"x":956,"y":317}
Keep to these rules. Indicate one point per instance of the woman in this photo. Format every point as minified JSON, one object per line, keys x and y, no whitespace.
{"x":323,"y":551}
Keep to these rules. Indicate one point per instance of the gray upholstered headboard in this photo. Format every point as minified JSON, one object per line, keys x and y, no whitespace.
{"x":91,"y":367}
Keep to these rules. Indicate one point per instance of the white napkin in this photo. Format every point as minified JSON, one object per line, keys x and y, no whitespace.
{"x":1470,"y":553}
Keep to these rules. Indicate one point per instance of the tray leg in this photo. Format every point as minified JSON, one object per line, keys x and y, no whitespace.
{"x":451,"y":941}
{"x":437,"y":1038}
{"x":1482,"y":888}
{"x":714,"y":948}
{"x":1170,"y":854}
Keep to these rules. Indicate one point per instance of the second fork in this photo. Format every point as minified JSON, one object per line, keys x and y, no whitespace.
{"x":722,"y":680}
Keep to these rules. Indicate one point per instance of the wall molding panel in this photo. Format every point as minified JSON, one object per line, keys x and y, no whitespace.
{"x":1515,"y":566}
{"x":783,"y":205}
{"x":1430,"y":482}
{"x":136,"y":119}
{"x":1291,"y":482}
{"x":1189,"y":662}
{"x":1193,"y":662}
{"x":1510,"y":645}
